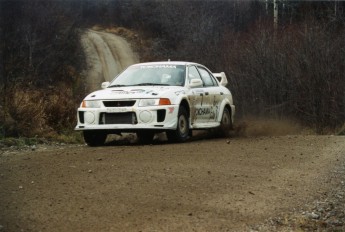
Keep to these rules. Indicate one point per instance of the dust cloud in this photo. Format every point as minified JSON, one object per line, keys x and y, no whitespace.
{"x":252,"y":127}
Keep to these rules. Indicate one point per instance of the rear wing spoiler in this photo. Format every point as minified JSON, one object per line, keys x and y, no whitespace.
{"x":221,"y":77}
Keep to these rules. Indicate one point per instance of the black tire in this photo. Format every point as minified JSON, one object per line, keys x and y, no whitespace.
{"x":225,"y":123}
{"x":181,"y":134}
{"x":94,"y":138}
{"x":145,"y":136}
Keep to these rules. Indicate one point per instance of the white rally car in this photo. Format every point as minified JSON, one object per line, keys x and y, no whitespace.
{"x":148,"y":98}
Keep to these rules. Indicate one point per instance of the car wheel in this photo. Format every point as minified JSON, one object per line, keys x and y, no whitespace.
{"x":94,"y":138}
{"x":145,"y":137}
{"x":181,"y":133}
{"x":225,"y":123}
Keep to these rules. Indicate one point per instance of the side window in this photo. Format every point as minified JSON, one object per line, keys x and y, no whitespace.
{"x":193,"y":73}
{"x":206,"y":77}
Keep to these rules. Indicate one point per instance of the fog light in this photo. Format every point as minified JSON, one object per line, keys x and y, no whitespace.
{"x":145,"y":116}
{"x":89,"y":117}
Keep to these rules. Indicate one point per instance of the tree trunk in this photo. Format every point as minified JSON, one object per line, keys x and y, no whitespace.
{"x":275,"y":15}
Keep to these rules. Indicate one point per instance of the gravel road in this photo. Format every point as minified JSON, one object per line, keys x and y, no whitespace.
{"x":238,"y":184}
{"x":107,"y":55}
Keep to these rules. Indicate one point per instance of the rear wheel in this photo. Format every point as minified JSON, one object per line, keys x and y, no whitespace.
{"x":181,"y":133}
{"x":145,"y":136}
{"x":225,"y":123}
{"x":94,"y":138}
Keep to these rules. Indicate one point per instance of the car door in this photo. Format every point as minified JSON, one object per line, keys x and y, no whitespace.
{"x":198,"y":99}
{"x":213,"y":95}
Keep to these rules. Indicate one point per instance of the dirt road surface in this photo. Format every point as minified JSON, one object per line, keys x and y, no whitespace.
{"x":202,"y":185}
{"x":107,"y":55}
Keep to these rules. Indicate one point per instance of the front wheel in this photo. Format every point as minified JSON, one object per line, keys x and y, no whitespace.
{"x":181,"y":133}
{"x":94,"y":138}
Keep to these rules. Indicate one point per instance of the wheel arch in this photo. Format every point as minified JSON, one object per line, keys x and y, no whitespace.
{"x":231,"y":111}
{"x":185,"y":104}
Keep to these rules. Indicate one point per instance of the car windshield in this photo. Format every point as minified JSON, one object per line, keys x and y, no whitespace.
{"x":156,"y":74}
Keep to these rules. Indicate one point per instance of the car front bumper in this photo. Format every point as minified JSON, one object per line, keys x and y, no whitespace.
{"x":128,"y":118}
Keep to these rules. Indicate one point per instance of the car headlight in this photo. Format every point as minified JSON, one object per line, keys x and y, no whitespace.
{"x":148,"y":102}
{"x":154,"y":102}
{"x":91,"y":104}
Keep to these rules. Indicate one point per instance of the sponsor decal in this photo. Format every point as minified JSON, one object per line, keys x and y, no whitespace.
{"x":214,"y":108}
{"x":157,"y":66}
{"x":180,"y":92}
{"x":137,"y":90}
{"x":212,"y":112}
{"x":202,"y":111}
{"x":117,"y":110}
{"x":133,"y":91}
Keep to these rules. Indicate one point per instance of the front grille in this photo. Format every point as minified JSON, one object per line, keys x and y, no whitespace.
{"x":118,"y":118}
{"x":118,"y":103}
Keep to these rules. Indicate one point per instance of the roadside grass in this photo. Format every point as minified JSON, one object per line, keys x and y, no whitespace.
{"x":32,"y":115}
{"x":68,"y":137}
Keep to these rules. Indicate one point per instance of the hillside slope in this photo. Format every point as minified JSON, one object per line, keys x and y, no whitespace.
{"x":107,"y":55}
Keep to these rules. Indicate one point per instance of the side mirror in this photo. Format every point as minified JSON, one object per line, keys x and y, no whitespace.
{"x":195,"y":83}
{"x":105,"y":84}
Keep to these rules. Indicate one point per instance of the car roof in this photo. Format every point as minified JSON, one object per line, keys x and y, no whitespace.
{"x":168,"y":63}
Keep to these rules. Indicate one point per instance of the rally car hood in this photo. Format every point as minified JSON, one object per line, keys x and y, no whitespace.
{"x":133,"y":92}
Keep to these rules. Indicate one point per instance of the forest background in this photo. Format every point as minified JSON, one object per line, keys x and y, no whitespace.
{"x":283,"y":59}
